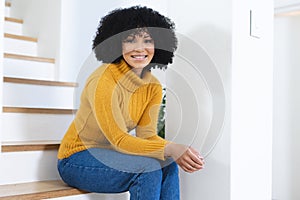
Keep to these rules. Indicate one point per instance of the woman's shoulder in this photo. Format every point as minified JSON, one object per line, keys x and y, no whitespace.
{"x":101,"y":72}
{"x":98,"y":72}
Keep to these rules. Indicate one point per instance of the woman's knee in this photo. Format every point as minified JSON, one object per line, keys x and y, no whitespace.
{"x":146,"y":164}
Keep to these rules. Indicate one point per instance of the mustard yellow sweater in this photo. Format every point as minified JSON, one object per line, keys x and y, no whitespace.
{"x":115,"y":101}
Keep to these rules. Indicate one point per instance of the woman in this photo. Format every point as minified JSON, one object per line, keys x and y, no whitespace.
{"x":97,"y":153}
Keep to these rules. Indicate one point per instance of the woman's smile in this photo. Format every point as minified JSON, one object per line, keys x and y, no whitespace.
{"x":139,"y":57}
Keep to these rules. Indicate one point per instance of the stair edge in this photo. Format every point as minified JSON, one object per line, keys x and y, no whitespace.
{"x":61,"y":190}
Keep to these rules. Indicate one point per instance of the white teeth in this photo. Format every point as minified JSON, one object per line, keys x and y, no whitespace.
{"x":139,"y":57}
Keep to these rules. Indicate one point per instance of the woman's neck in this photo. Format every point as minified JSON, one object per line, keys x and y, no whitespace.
{"x":138,"y":72}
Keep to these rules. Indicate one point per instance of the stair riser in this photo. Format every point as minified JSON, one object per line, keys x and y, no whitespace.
{"x":28,"y":69}
{"x":7,"y":12}
{"x":25,"y":95}
{"x":20,"y":47}
{"x":34,"y":127}
{"x":28,"y":167}
{"x":13,"y":28}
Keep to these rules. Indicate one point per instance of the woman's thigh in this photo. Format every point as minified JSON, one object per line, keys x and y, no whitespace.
{"x":105,"y":171}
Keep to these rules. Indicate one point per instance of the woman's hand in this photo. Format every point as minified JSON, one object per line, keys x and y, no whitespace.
{"x":186,"y":157}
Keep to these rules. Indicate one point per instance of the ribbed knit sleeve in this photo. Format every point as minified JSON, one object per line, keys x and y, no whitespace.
{"x":104,"y":100}
{"x":147,"y":125}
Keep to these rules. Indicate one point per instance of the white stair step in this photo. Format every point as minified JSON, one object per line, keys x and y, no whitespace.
{"x":23,"y":68}
{"x":37,"y":94}
{"x":13,"y":26}
{"x":16,"y":44}
{"x":7,"y":11}
{"x":28,"y":166}
{"x":32,"y":127}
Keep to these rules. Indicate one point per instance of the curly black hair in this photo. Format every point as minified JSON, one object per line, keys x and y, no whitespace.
{"x":118,"y":24}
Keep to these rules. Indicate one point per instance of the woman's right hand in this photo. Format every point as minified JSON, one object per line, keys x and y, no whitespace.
{"x":186,"y":157}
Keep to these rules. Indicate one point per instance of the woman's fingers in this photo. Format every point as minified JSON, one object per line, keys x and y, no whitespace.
{"x":187,"y":168}
{"x":190,"y":162}
{"x":186,"y":157}
{"x":195,"y":157}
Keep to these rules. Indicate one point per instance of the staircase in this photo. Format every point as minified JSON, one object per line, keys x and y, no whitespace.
{"x":36,"y":113}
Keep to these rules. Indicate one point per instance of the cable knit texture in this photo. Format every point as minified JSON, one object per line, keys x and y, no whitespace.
{"x":115,"y":101}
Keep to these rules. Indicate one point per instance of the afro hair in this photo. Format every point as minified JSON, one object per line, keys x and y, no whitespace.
{"x":120,"y":23}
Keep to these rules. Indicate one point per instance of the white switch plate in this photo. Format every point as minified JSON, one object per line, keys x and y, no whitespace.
{"x":254,"y":25}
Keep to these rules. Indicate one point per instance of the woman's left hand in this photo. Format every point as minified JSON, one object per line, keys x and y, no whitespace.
{"x":186,"y":157}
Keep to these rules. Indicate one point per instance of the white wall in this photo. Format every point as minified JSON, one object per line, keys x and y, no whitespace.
{"x":286,"y":162}
{"x":251,"y":125}
{"x":207,"y":28}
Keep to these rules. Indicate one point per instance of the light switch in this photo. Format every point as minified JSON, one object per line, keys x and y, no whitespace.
{"x":254,"y":24}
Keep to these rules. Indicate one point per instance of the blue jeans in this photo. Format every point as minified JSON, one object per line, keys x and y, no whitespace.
{"x":107,"y":171}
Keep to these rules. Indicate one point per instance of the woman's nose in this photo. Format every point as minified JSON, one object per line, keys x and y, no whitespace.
{"x":139,"y":46}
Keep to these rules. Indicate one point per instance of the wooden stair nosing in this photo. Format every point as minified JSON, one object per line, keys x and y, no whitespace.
{"x":28,"y":147}
{"x":46,"y":195}
{"x":29,"y":58}
{"x":46,"y":190}
{"x":38,"y":110}
{"x":15,"y":20}
{"x":20,"y":37}
{"x":38,"y":82}
{"x":7,"y":4}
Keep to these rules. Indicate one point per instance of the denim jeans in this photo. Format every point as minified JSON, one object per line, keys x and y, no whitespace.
{"x":107,"y":171}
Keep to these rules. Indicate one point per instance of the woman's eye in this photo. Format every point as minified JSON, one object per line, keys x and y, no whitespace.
{"x":149,"y":41}
{"x":129,"y":40}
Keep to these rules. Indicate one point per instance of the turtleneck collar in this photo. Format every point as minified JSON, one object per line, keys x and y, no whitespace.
{"x":124,"y":76}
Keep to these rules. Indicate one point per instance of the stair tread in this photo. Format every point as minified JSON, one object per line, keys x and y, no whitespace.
{"x":38,"y":82}
{"x":17,"y":146}
{"x":7,"y":4}
{"x":20,"y":37}
{"x":37,"y":142}
{"x":8,"y":109}
{"x":30,"y":58}
{"x":38,"y":190}
{"x":15,"y":20}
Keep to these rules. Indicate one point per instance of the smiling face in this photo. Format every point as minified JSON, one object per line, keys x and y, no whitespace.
{"x":138,"y":51}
